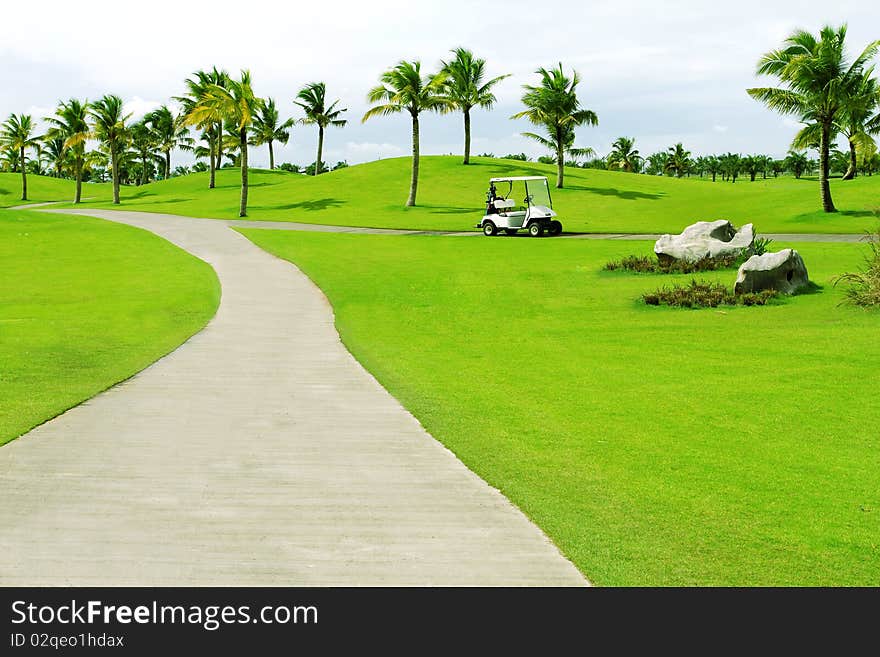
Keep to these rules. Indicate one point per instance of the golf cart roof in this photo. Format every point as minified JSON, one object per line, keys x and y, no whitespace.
{"x":516,"y":178}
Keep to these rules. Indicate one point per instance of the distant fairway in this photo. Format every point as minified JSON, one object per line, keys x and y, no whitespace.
{"x":451,"y":197}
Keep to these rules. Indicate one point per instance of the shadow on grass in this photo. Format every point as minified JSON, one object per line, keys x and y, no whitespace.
{"x":445,"y":209}
{"x":310,"y":206}
{"x":626,"y":195}
{"x":4,"y":192}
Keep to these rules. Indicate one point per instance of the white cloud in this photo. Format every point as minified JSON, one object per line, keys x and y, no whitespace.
{"x":649,"y":69}
{"x":138,"y":107}
{"x":720,"y":128}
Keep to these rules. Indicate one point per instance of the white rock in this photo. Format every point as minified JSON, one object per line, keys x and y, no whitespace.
{"x":783,"y":271}
{"x":705,"y":239}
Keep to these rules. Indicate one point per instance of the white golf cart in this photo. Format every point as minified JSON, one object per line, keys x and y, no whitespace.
{"x":534,"y":214}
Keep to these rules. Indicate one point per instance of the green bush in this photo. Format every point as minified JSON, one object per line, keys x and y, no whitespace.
{"x":864,"y":285}
{"x":705,"y":294}
{"x":649,"y":265}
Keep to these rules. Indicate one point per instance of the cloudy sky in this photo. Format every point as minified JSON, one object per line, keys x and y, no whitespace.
{"x":661,"y":71}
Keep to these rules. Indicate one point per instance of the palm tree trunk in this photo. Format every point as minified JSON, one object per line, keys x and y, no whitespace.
{"x":23,"y":175}
{"x":467,"y":136}
{"x":167,"y":164}
{"x":242,"y":208}
{"x":143,"y":170}
{"x":271,"y":156}
{"x":851,"y":172}
{"x":560,"y":161}
{"x":825,"y":187}
{"x":215,"y":148}
{"x":114,"y":167}
{"x":79,"y":180}
{"x":320,"y":149}
{"x":219,"y":145}
{"x":414,"y":181}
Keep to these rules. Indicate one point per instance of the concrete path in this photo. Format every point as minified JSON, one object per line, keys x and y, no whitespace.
{"x":322,"y":228}
{"x":258,"y":453}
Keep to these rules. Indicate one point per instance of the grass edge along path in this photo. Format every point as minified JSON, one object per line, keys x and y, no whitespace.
{"x":87,"y":304}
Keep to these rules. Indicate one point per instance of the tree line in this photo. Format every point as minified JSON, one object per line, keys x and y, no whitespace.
{"x":831,"y":95}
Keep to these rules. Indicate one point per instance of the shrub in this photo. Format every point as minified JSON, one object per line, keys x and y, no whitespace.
{"x":648,"y":265}
{"x":705,"y":294}
{"x":864,"y":285}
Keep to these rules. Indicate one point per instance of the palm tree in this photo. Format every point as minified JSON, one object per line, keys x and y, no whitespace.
{"x":554,"y":105}
{"x":752,"y":164}
{"x":267,"y":130}
{"x":108,"y":127}
{"x":170,"y":132}
{"x":144,"y":144}
{"x":623,"y":155}
{"x":70,"y":123}
{"x":212,"y":126}
{"x":56,"y":156}
{"x":817,"y":80}
{"x":679,"y":161}
{"x":17,"y":133}
{"x":855,"y":119}
{"x":313,"y":101}
{"x":657,"y":163}
{"x":404,"y":89}
{"x":466,"y":89}
{"x":731,"y":165}
{"x":237,"y":105}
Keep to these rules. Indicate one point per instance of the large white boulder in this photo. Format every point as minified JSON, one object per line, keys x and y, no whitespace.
{"x":705,"y":239}
{"x":783,"y":271}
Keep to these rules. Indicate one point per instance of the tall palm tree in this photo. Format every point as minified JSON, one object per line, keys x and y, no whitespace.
{"x":404,"y":89}
{"x":312,"y":99}
{"x":212,"y":126}
{"x":624,"y":155}
{"x":18,"y":133}
{"x":466,"y":88}
{"x":855,"y":119}
{"x":554,"y":106}
{"x":679,"y":161}
{"x":817,"y":79}
{"x":108,"y":127}
{"x":236,"y":104}
{"x":70,"y":123}
{"x":267,"y":129}
{"x":170,"y":132}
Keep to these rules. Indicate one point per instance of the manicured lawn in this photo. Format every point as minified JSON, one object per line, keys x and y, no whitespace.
{"x":84,"y":304}
{"x":451,"y":197}
{"x":654,"y":445}
{"x":42,"y":189}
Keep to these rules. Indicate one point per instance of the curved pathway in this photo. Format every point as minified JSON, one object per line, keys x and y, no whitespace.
{"x":258,"y":453}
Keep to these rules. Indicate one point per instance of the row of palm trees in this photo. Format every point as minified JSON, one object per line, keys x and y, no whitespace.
{"x":225,"y":110}
{"x":677,"y":161}
{"x":229,"y":117}
{"x":831,"y":95}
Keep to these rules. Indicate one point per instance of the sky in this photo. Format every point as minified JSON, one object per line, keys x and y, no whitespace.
{"x":663,"y":71}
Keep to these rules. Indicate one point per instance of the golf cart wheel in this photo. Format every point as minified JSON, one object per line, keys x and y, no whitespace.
{"x":555,"y":227}
{"x":511,"y":231}
{"x":489,"y":229}
{"x":536,"y":229}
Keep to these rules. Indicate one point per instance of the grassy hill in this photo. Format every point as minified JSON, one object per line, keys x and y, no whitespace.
{"x":42,"y":189}
{"x":451,"y":197}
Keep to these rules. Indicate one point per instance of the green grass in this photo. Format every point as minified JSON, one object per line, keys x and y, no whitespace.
{"x":42,"y":189}
{"x":451,"y":197}
{"x":730,"y":446}
{"x":84,"y":304}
